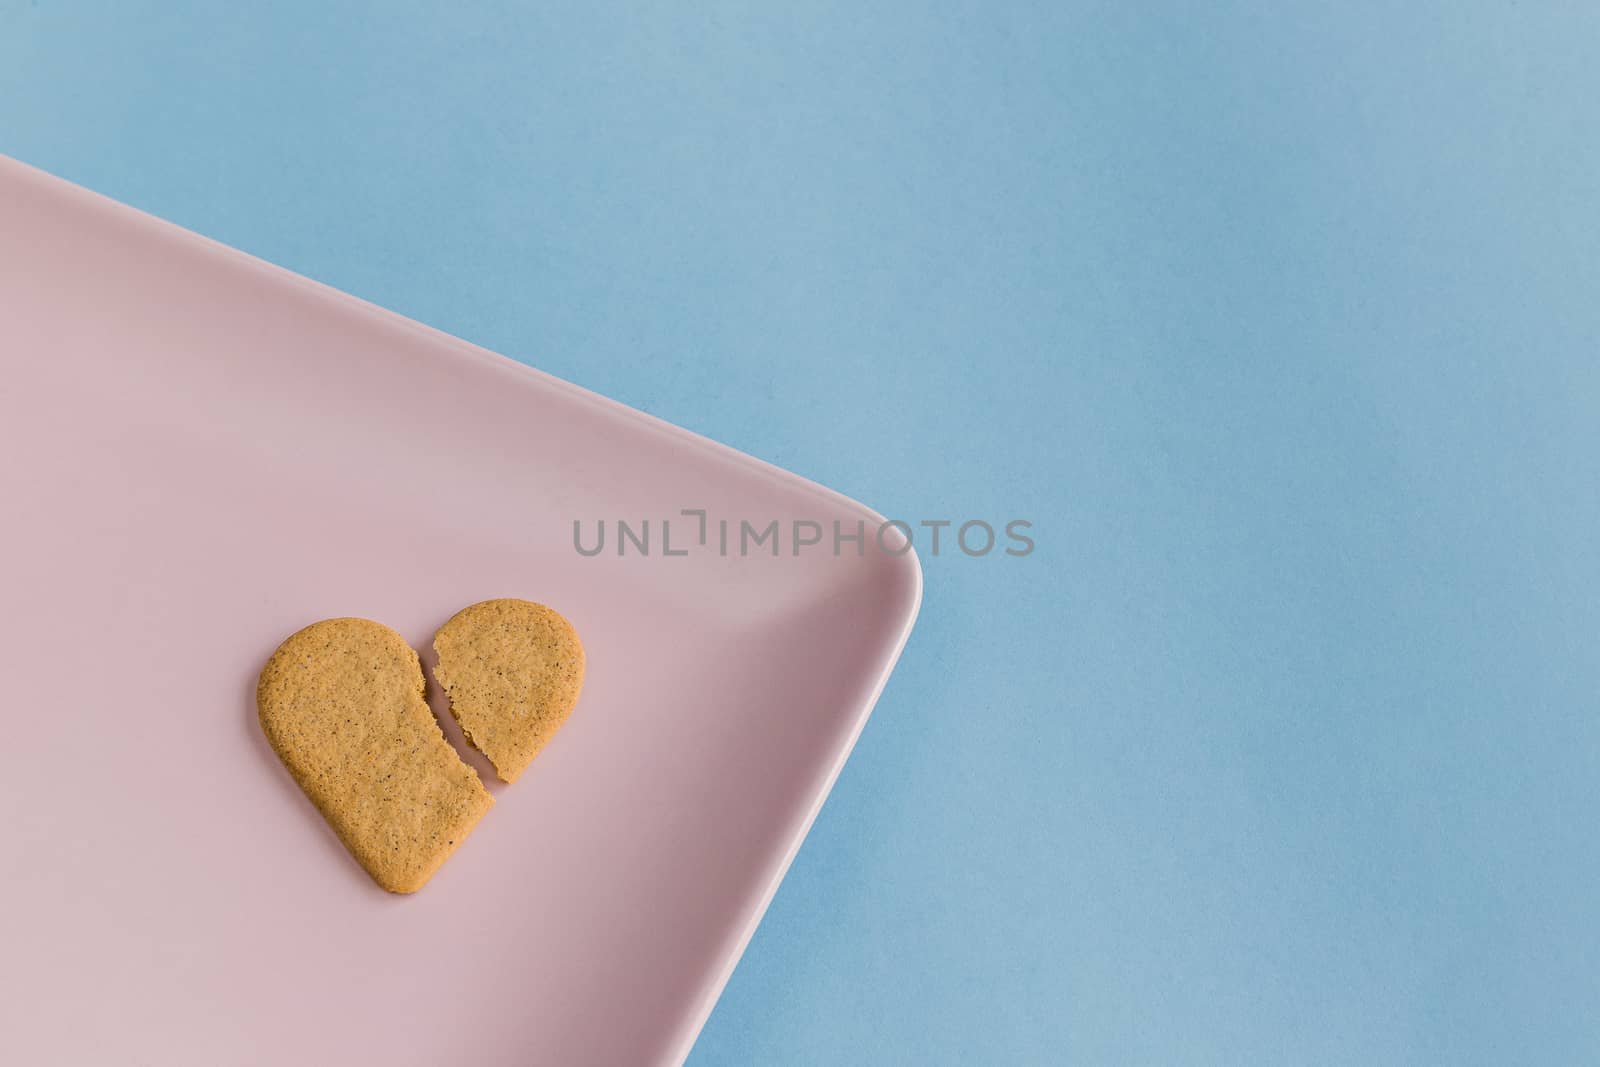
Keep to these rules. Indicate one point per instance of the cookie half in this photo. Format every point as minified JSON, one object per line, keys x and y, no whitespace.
{"x":513,"y":670}
{"x":342,"y":704}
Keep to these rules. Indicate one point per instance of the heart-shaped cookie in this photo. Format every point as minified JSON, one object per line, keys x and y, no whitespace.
{"x":342,"y":703}
{"x":513,"y":670}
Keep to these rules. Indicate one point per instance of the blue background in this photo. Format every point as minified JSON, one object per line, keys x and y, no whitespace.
{"x":1280,"y":324}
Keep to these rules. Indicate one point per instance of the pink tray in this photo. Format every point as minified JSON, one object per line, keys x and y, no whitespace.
{"x":203,"y":453}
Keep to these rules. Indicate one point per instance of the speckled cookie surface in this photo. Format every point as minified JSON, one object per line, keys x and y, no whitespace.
{"x":513,"y":670}
{"x":342,"y":703}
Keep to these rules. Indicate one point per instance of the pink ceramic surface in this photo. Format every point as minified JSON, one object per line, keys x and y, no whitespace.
{"x":204,"y":453}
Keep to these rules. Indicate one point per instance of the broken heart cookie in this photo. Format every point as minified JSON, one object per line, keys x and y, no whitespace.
{"x":512,"y":670}
{"x":342,"y":703}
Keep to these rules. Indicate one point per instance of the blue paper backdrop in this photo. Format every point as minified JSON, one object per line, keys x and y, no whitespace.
{"x":1279,"y":321}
